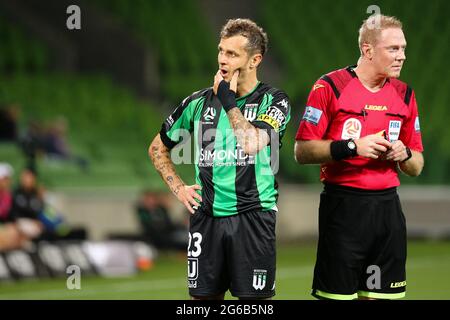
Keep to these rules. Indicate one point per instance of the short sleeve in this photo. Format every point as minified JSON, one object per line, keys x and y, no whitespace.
{"x":410,"y":134}
{"x":274,"y":113}
{"x":315,"y":119}
{"x":180,"y":121}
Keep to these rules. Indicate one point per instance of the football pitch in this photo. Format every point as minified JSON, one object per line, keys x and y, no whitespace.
{"x":428,"y":277}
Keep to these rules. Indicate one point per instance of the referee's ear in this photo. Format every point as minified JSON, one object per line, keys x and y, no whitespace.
{"x":367,"y":50}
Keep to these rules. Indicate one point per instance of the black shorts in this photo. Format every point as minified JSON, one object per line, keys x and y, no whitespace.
{"x":362,"y":245}
{"x":235,"y":253}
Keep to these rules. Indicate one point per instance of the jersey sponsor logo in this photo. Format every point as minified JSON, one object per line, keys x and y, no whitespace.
{"x":398,"y":284}
{"x":375,"y":108}
{"x":284,"y":104}
{"x":209,"y":114}
{"x":259,"y":279}
{"x":250,"y":111}
{"x":318,"y":86}
{"x":351,"y":129}
{"x":223,"y":158}
{"x":394,"y":130}
{"x":312,"y":115}
{"x":417,"y":124}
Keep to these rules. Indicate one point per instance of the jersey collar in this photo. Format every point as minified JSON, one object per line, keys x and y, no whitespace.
{"x":253,"y":90}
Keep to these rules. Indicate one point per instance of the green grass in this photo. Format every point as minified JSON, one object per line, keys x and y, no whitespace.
{"x":428,"y":277}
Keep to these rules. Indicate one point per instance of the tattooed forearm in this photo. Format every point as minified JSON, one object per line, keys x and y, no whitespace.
{"x":249,"y":137}
{"x":238,"y":121}
{"x":160,"y":157}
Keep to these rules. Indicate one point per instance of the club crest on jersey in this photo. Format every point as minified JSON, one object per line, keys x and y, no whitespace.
{"x":259,"y":279}
{"x":394,"y":130}
{"x":250,"y":111}
{"x":351,"y":129}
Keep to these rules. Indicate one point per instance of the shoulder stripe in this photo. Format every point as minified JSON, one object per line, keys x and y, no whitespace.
{"x":339,"y":79}
{"x":408,"y":95}
{"x":351,"y":71}
{"x":333,"y":86}
{"x":403,"y":90}
{"x":165,"y":139}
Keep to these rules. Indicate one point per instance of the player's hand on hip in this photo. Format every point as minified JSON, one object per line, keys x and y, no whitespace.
{"x":397,"y":152}
{"x":372,"y":146}
{"x":188,"y":195}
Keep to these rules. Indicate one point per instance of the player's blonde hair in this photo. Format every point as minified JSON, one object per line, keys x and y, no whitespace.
{"x":371,"y":28}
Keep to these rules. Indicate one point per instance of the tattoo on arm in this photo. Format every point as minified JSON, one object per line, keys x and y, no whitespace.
{"x":247,"y":135}
{"x":160,"y":156}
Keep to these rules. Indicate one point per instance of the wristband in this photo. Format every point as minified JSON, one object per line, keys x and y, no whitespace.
{"x":340,"y":149}
{"x":408,"y":151}
{"x":226,"y":96}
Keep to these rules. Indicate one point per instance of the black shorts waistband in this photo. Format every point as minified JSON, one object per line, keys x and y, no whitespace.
{"x":202,"y":211}
{"x":337,"y":189}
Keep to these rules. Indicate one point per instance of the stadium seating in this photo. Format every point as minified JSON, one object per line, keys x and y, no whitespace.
{"x":107,"y":124}
{"x":18,"y":52}
{"x":180,"y":36}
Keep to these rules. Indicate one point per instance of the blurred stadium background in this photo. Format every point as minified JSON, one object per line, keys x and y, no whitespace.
{"x":113,"y":82}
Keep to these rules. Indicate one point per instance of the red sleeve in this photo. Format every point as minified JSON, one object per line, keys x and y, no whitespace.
{"x":410,"y":134}
{"x":315,"y":119}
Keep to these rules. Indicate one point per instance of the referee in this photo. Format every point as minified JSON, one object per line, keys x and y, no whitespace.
{"x":237,"y":125}
{"x":362,"y":125}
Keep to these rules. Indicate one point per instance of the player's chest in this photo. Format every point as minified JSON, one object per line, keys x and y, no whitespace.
{"x":212,"y":115}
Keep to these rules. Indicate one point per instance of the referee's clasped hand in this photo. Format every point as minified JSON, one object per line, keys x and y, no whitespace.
{"x":397,"y":152}
{"x":372,"y":146}
{"x":187,"y":195}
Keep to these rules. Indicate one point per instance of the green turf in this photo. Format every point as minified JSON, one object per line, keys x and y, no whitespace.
{"x":428,"y":276}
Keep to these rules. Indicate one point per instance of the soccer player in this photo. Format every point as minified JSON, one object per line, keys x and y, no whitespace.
{"x":361,"y":124}
{"x":236,"y":126}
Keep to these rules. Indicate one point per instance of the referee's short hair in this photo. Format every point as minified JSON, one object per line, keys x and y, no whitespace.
{"x":257,"y":38}
{"x":371,"y":28}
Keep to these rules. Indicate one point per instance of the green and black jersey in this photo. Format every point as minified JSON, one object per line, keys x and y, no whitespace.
{"x":232,"y":181}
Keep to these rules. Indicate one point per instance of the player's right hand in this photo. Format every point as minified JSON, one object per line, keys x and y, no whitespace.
{"x":372,"y":146}
{"x":187,"y":196}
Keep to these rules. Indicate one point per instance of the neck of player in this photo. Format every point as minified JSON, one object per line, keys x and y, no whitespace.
{"x":246,"y":84}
